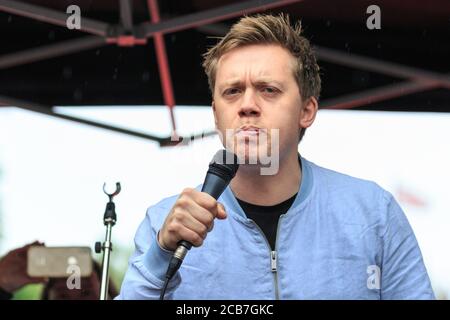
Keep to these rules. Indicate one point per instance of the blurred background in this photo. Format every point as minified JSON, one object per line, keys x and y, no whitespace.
{"x":82,"y":107}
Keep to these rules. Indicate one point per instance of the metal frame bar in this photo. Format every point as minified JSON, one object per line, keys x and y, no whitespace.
{"x":193,"y":20}
{"x":52,"y":16}
{"x":384,"y":67}
{"x":378,"y":94}
{"x":216,"y":29}
{"x":47,"y":110}
{"x":126,"y":14}
{"x":184,"y":141}
{"x":144,"y":30}
{"x":163,"y":64}
{"x":51,"y":51}
{"x":155,"y":29}
{"x":419,"y":80}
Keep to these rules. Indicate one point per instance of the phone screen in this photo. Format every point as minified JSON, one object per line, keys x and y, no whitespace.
{"x":56,"y":262}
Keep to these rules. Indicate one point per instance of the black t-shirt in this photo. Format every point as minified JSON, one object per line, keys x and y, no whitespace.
{"x":266,"y":217}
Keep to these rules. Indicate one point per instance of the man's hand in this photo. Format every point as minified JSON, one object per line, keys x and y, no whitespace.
{"x":190,"y":219}
{"x":13,"y":269}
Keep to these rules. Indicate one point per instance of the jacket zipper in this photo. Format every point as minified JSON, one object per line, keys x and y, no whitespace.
{"x":273,"y":255}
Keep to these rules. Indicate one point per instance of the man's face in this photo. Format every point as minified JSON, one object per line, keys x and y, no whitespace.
{"x":256,"y":94}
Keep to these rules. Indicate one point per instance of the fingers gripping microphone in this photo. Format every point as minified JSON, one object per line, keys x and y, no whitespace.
{"x":222,"y":169}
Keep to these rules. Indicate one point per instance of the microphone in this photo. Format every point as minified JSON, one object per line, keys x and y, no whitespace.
{"x":222,"y":169}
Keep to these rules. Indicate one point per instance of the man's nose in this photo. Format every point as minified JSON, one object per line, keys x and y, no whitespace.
{"x":249,"y":106}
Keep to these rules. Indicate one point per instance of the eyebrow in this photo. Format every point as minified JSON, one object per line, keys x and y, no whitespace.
{"x":260,"y":81}
{"x":268,"y":81}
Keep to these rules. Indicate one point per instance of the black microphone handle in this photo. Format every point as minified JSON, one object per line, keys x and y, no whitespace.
{"x":214,"y":186}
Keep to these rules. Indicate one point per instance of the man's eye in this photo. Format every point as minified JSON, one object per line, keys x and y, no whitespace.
{"x":270,"y":90}
{"x":231,"y":91}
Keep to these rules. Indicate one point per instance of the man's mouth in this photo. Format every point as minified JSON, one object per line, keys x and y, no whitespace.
{"x":248,"y":131}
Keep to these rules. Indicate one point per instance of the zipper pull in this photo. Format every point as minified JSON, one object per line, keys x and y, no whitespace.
{"x":273,"y":261}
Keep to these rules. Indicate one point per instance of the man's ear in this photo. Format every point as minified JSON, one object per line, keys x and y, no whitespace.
{"x":308,"y":112}
{"x":214,"y":112}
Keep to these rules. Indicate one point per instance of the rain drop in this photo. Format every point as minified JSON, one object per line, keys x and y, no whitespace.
{"x":78,"y":95}
{"x":67,"y":73}
{"x":145,"y":76}
{"x":51,"y":35}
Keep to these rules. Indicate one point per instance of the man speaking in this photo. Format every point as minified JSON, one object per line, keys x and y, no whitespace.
{"x":284,"y":228}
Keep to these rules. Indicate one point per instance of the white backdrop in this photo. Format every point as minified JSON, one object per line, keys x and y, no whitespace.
{"x":52,"y":171}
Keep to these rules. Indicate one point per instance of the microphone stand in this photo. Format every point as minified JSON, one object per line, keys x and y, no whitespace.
{"x":109,"y":220}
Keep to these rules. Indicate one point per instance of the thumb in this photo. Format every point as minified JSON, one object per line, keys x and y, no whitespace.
{"x":221,"y":213}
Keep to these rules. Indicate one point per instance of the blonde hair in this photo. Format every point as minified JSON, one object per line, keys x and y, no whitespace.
{"x":269,"y":29}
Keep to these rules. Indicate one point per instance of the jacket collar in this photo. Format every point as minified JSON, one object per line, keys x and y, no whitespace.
{"x":305,"y":188}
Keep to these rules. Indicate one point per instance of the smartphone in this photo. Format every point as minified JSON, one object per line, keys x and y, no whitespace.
{"x":58,"y":262}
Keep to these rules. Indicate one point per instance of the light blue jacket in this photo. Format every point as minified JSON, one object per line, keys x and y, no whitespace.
{"x":343,"y":238}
